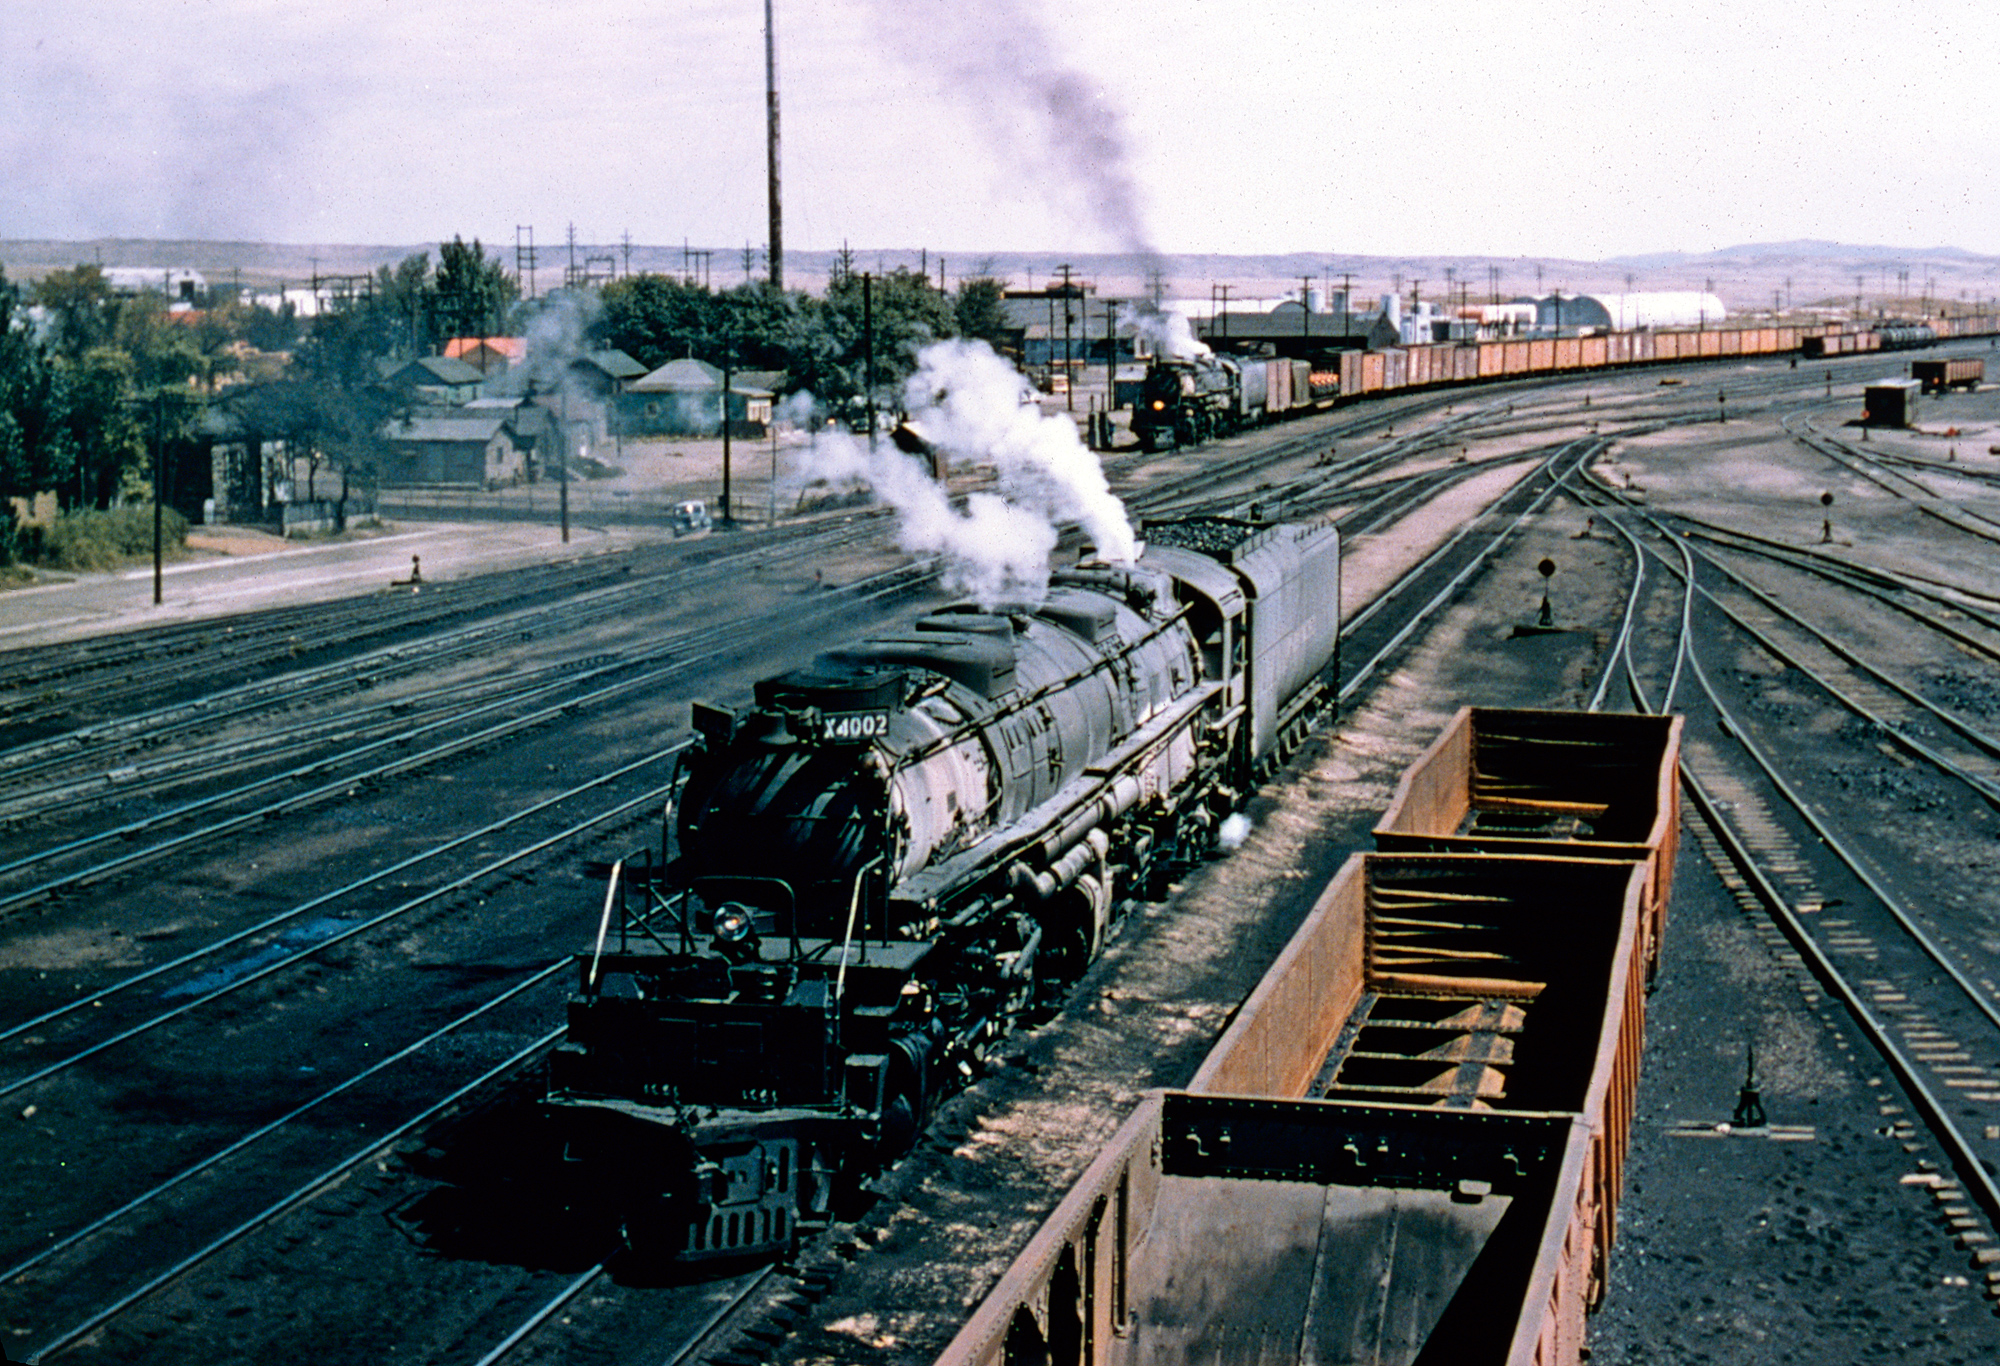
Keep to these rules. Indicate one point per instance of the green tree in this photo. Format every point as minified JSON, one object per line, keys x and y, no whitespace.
{"x":656,"y":318}
{"x":34,"y":454}
{"x":978,"y":313}
{"x":471,"y":293}
{"x":84,"y":311}
{"x":908,"y":313}
{"x":99,"y":424}
{"x":163,"y":346}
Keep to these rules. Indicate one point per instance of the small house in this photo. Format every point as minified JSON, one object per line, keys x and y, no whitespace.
{"x":684,"y":398}
{"x":440,"y":379}
{"x":481,"y":449}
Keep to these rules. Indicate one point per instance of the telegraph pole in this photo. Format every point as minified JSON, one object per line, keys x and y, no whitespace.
{"x":771,"y":149}
{"x":562,"y":454}
{"x":1110,"y":361}
{"x":868,"y":348}
{"x":728,"y":358}
{"x":159,"y":488}
{"x":1069,"y":317}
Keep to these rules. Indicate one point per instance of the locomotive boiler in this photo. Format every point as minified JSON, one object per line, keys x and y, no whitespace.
{"x":900,"y":850}
{"x":1187,"y":400}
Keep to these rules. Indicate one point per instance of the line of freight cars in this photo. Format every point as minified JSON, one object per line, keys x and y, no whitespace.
{"x":1408,"y":1145}
{"x":1185,"y":401}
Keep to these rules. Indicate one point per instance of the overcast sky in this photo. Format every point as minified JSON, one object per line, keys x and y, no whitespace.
{"x":1360,"y":127}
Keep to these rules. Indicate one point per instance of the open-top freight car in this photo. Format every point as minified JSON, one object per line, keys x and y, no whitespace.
{"x":1953,"y":372}
{"x":1407,"y":1146}
{"x":1184,"y":401}
{"x":1601,"y":785}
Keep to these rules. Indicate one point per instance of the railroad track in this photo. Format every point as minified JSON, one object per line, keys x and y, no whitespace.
{"x":147,"y":1306}
{"x":1903,"y":954}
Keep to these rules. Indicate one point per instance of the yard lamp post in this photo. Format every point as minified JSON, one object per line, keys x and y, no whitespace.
{"x":562,"y":458}
{"x":728,"y":358}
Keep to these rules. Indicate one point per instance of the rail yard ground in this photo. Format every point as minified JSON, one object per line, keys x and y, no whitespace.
{"x":1837,"y":1231}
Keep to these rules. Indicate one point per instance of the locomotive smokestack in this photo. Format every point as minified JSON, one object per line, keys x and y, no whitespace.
{"x":771,"y":149}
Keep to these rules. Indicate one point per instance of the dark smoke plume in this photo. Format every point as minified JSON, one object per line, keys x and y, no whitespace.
{"x":1002,"y":59}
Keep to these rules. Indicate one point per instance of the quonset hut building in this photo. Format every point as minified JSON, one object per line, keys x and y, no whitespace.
{"x":1628,"y":312}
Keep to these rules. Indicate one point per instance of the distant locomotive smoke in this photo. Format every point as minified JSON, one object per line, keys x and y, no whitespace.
{"x":1001,"y":56}
{"x":1170,"y":333}
{"x":967,"y":402}
{"x":556,"y":337}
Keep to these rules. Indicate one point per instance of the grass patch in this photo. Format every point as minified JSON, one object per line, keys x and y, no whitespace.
{"x":94,"y":541}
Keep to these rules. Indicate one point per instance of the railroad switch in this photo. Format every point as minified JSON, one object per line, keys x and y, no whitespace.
{"x":1749,"y":1099}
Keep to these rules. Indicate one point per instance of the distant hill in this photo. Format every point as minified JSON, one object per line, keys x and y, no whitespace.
{"x":1750,"y":277}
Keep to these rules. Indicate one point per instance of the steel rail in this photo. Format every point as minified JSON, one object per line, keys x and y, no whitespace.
{"x":1909,"y":1074}
{"x":542,"y":1315}
{"x":1972,"y":735}
{"x":273,"y":744}
{"x":666,"y":661}
{"x":753,"y":1281}
{"x":1965,"y":1159}
{"x":459,"y":884}
{"x":275,"y":627}
{"x":270,"y":1127}
{"x":1578,"y":450}
{"x":297,"y":1196}
{"x":1839,"y":847}
{"x":327,"y":898}
{"x":384,"y":661}
{"x":360,"y":927}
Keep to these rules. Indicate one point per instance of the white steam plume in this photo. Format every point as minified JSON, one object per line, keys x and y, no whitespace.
{"x":557,"y":335}
{"x":967,"y":402}
{"x":1171,"y":334}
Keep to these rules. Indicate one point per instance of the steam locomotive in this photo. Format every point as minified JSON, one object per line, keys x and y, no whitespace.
{"x":900,"y":851}
{"x":1184,"y":401}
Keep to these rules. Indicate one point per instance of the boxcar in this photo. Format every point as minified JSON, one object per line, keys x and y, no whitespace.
{"x":1374,"y":366}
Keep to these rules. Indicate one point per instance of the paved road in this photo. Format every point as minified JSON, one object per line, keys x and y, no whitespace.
{"x":305,"y":571}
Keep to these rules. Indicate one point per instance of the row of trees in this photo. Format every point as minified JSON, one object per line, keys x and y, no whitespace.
{"x":819,"y":343}
{"x":409,"y":310}
{"x":80,"y":398}
{"x":84,"y":396}
{"x":64,"y":422}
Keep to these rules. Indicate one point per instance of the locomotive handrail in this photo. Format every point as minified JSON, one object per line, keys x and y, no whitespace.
{"x":603,"y":925}
{"x":840,"y":973}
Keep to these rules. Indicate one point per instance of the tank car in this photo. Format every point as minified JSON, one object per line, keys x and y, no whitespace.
{"x":897,"y":852}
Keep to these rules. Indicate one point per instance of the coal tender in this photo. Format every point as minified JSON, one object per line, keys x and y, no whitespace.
{"x":901,"y":850}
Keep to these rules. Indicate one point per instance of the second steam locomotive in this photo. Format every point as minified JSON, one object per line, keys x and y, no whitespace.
{"x":900,"y":850}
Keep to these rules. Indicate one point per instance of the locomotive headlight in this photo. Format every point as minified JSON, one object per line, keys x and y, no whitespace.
{"x":735,"y":933}
{"x":1159,"y":405}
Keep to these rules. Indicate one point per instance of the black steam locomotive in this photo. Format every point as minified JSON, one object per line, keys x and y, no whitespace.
{"x":1188,"y":400}
{"x":904,"y":847}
